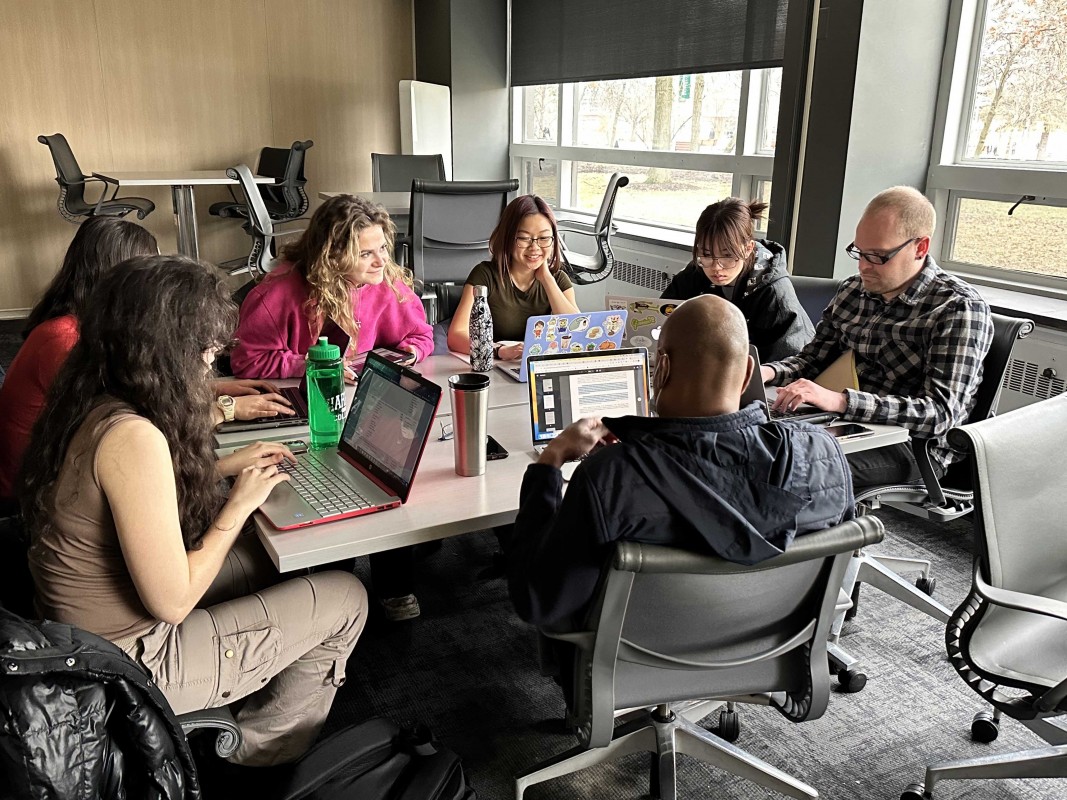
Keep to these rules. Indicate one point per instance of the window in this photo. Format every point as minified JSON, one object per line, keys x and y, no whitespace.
{"x":685,"y":141}
{"x":1005,"y":141}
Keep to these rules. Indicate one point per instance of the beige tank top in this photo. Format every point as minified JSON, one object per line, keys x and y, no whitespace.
{"x":78,"y":569}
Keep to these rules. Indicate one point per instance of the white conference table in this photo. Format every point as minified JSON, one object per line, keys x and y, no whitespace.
{"x":442,"y":503}
{"x":398,"y":204}
{"x":181,"y":183}
{"x":503,"y":392}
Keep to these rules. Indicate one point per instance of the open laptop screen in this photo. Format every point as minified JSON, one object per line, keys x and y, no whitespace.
{"x":565,"y":388}
{"x":389,"y":422}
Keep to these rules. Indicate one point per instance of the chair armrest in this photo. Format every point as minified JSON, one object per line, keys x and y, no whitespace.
{"x":1019,"y":601}
{"x":1033,"y":604}
{"x":920,"y":448}
{"x":229,"y":736}
{"x":846,"y":537}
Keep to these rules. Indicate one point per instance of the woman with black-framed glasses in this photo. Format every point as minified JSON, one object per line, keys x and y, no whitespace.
{"x":750,"y":273}
{"x":524,"y":279}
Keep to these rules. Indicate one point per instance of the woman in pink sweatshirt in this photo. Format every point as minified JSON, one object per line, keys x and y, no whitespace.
{"x":341,"y":268}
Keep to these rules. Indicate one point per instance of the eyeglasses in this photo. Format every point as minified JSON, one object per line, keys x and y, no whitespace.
{"x":446,"y":432}
{"x":726,"y":262}
{"x":878,"y":259}
{"x":543,"y":242}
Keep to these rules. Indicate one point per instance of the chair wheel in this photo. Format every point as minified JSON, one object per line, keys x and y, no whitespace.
{"x":729,"y":726}
{"x":915,"y":791}
{"x":851,"y":613}
{"x":850,"y":681}
{"x":984,"y":728}
{"x":926,"y":585}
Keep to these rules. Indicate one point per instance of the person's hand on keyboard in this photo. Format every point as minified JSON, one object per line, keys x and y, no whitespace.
{"x":260,"y":454}
{"x":805,"y":391}
{"x":253,"y":485}
{"x":254,"y":406}
{"x":576,"y":441}
{"x":240,"y":388}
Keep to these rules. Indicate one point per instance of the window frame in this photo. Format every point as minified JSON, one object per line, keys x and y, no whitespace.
{"x":953,"y":176}
{"x":747,"y":166}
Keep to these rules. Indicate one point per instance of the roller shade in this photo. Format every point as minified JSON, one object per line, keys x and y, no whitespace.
{"x":565,"y":41}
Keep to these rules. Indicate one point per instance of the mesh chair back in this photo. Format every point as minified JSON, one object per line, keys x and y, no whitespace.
{"x":260,"y":223}
{"x":1020,"y":509}
{"x":68,"y":174}
{"x":602,"y":226}
{"x":814,"y":294}
{"x":451,"y":222}
{"x":286,"y":199}
{"x":671,"y":625}
{"x":394,"y":173}
{"x":1006,"y":332}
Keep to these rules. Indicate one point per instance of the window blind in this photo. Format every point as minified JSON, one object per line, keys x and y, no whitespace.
{"x":565,"y":41}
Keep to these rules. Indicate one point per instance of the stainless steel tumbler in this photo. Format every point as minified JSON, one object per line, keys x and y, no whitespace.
{"x":470,"y":409}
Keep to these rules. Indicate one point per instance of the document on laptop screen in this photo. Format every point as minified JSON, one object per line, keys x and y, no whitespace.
{"x":602,"y":394}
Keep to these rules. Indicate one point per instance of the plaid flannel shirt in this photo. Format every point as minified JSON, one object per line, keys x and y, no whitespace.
{"x":918,"y":357}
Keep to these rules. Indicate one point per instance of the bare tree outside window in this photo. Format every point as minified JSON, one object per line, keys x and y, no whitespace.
{"x":1019,"y":111}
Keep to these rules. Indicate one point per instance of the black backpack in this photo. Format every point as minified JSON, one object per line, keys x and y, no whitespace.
{"x":374,"y":760}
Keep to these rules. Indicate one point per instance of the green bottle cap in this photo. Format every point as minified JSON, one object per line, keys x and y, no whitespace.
{"x":324,"y":351}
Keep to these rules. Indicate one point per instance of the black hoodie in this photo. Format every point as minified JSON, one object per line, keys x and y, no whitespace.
{"x":777,"y":323}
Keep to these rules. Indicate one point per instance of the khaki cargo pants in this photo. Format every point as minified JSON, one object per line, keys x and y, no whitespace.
{"x":283,"y":647}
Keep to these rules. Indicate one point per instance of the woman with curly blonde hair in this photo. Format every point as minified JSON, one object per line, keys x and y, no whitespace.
{"x":340,"y":269}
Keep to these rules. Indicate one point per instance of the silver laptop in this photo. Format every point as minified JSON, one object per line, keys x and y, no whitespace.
{"x":645,"y":318}
{"x":374,"y":465}
{"x":565,"y":388}
{"x":551,"y":334}
{"x":756,"y":390}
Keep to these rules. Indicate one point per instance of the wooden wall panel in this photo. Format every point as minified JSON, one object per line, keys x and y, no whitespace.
{"x":51,"y":82}
{"x":186,"y":84}
{"x":334,"y":69}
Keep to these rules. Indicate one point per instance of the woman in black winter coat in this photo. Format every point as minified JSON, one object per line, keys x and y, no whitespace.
{"x":750,"y":273}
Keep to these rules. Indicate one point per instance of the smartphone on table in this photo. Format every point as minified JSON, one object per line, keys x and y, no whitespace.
{"x":493,"y":450}
{"x":848,"y":430}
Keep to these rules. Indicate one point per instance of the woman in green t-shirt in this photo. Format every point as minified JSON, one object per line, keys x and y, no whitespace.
{"x":525,"y":277}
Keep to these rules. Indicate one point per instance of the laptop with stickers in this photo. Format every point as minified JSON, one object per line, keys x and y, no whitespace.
{"x":554,"y":334}
{"x":645,"y":318}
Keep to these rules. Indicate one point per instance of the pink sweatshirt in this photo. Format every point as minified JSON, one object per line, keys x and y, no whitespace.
{"x":274,"y":336}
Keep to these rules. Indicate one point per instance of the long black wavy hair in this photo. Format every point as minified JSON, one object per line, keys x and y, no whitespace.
{"x":144,"y":332}
{"x":99,"y":244}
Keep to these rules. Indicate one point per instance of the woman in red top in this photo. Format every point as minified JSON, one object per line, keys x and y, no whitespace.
{"x":52,"y":331}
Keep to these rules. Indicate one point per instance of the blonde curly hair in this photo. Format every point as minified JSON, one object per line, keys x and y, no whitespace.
{"x":327,"y":252}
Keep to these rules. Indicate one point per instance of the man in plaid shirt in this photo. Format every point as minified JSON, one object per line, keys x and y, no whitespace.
{"x":919,"y":336}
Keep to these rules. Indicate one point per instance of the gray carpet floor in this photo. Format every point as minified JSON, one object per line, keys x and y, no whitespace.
{"x":467,"y":668}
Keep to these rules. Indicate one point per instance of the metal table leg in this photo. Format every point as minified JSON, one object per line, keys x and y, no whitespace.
{"x":185,"y":219}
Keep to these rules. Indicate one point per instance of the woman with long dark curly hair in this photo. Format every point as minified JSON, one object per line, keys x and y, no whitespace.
{"x":51,"y":331}
{"x":132,"y":537}
{"x":525,"y":277}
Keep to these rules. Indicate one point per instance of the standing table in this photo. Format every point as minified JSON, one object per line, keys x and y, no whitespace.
{"x":181,"y":185}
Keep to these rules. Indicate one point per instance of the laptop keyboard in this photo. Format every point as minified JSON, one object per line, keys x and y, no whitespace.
{"x":323,"y":489}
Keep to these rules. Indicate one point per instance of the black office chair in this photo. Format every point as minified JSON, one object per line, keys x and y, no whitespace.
{"x":814,"y":294}
{"x":394,"y":173}
{"x":585,"y":269}
{"x":938,"y":500}
{"x":283,"y":200}
{"x":451,"y":222}
{"x":669,"y":627}
{"x":1008,"y":638}
{"x":72,"y":181}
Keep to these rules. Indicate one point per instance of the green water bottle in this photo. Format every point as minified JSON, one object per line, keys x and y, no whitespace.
{"x":326,"y":394}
